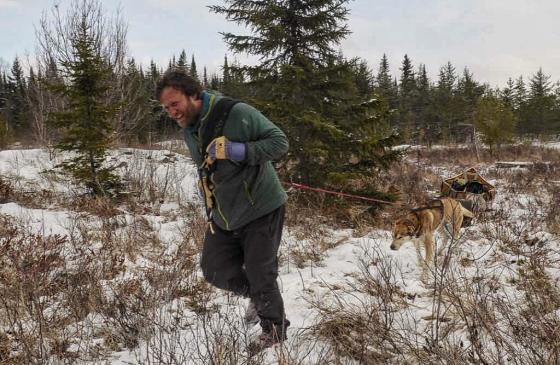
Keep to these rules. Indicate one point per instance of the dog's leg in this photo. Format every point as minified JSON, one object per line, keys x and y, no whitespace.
{"x":421,"y":261}
{"x":444,"y":234}
{"x":418,"y":252}
{"x":429,"y":246}
{"x":429,"y":254}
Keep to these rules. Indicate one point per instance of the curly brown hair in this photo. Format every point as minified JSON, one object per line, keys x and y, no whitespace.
{"x":180,"y":80}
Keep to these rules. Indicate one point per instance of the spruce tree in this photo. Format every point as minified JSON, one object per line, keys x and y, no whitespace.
{"x":363,"y":77}
{"x":519,"y":93}
{"x":538,"y":114}
{"x":303,"y":84}
{"x":182,"y":62}
{"x":468,"y":94}
{"x":161,"y":124}
{"x":495,"y":121}
{"x":193,"y":71}
{"x":215,"y":82}
{"x":407,"y":95}
{"x":18,"y":118}
{"x":286,"y":32}
{"x":3,"y":93}
{"x":507,"y":94}
{"x":447,"y":108}
{"x":137,"y":126}
{"x":408,"y":78}
{"x":85,"y":123}
{"x":205,"y":82}
{"x":4,"y":130}
{"x":385,"y":85}
{"x":422,"y":105}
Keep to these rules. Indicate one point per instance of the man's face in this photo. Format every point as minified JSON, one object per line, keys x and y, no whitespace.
{"x":178,"y":106}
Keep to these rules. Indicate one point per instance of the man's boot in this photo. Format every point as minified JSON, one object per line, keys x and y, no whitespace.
{"x":270,"y":336}
{"x":251,"y":315}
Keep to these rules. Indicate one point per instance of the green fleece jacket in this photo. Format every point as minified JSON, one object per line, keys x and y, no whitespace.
{"x":243,"y":191}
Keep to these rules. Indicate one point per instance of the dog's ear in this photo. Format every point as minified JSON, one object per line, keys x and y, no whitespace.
{"x":410,"y":227}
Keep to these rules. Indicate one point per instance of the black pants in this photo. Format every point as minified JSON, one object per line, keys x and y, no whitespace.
{"x":245,"y":262}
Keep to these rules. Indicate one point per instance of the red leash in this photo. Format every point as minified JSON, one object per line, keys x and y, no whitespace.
{"x":305,"y":187}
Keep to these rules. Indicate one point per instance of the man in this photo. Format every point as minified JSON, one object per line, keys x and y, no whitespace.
{"x":244,"y":198}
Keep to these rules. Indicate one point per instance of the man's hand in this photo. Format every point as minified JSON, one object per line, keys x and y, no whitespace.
{"x":223,"y":149}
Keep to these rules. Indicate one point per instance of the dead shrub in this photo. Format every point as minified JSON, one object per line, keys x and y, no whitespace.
{"x":359,"y":321}
{"x":96,"y":205}
{"x":553,"y":212}
{"x":27,"y":264}
{"x":6,"y":191}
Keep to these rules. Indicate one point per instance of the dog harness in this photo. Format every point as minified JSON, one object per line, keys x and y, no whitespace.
{"x":437,"y":204}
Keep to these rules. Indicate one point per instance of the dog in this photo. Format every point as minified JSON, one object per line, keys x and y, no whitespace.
{"x":443,"y":216}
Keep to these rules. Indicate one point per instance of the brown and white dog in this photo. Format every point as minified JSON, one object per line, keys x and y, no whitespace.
{"x":444,"y":216}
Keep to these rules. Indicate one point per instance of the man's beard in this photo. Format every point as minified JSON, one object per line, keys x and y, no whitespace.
{"x":189,"y":116}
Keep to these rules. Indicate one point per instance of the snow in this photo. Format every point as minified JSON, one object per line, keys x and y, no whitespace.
{"x":299,"y":285}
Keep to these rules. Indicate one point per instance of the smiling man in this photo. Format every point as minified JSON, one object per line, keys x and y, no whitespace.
{"x":233,"y":145}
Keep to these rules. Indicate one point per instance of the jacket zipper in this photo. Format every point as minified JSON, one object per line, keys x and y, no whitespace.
{"x":246,"y":186}
{"x":218,"y":204}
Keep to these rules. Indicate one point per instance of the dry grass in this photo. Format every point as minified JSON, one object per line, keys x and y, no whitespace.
{"x":114,"y":283}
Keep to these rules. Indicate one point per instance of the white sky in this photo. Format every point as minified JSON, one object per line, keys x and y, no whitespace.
{"x":495,"y":39}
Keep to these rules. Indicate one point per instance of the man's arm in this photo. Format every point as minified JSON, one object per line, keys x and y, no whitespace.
{"x":265,"y":141}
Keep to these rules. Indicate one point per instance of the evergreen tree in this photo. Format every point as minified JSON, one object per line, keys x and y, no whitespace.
{"x":226,"y":86}
{"x":17,"y":119}
{"x":137,"y":124}
{"x":3,"y":94}
{"x":4,"y":130}
{"x":286,"y":32}
{"x":468,"y":94}
{"x":407,"y":95}
{"x":215,"y":82}
{"x":161,"y":124}
{"x":193,"y":71}
{"x":495,"y":121}
{"x":304,"y":85}
{"x":85,"y":123}
{"x":469,"y":90}
{"x":205,"y":82}
{"x":233,"y":77}
{"x":363,"y":77}
{"x":422,"y":103}
{"x":507,"y":95}
{"x":225,"y":70}
{"x":385,"y":85}
{"x":446,"y":103}
{"x":538,"y":114}
{"x":182,"y":63}
{"x":408,"y":78}
{"x":520,"y":93}
{"x":154,"y":73}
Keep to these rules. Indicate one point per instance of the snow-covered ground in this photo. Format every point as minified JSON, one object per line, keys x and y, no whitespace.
{"x":333,"y":276}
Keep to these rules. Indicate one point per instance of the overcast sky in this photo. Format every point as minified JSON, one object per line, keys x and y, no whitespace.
{"x":495,"y":39}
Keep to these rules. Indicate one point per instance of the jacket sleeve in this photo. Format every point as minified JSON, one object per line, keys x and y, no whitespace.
{"x":264,"y":140}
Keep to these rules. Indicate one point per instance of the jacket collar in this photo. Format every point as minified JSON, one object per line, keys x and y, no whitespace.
{"x":208,"y":100}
